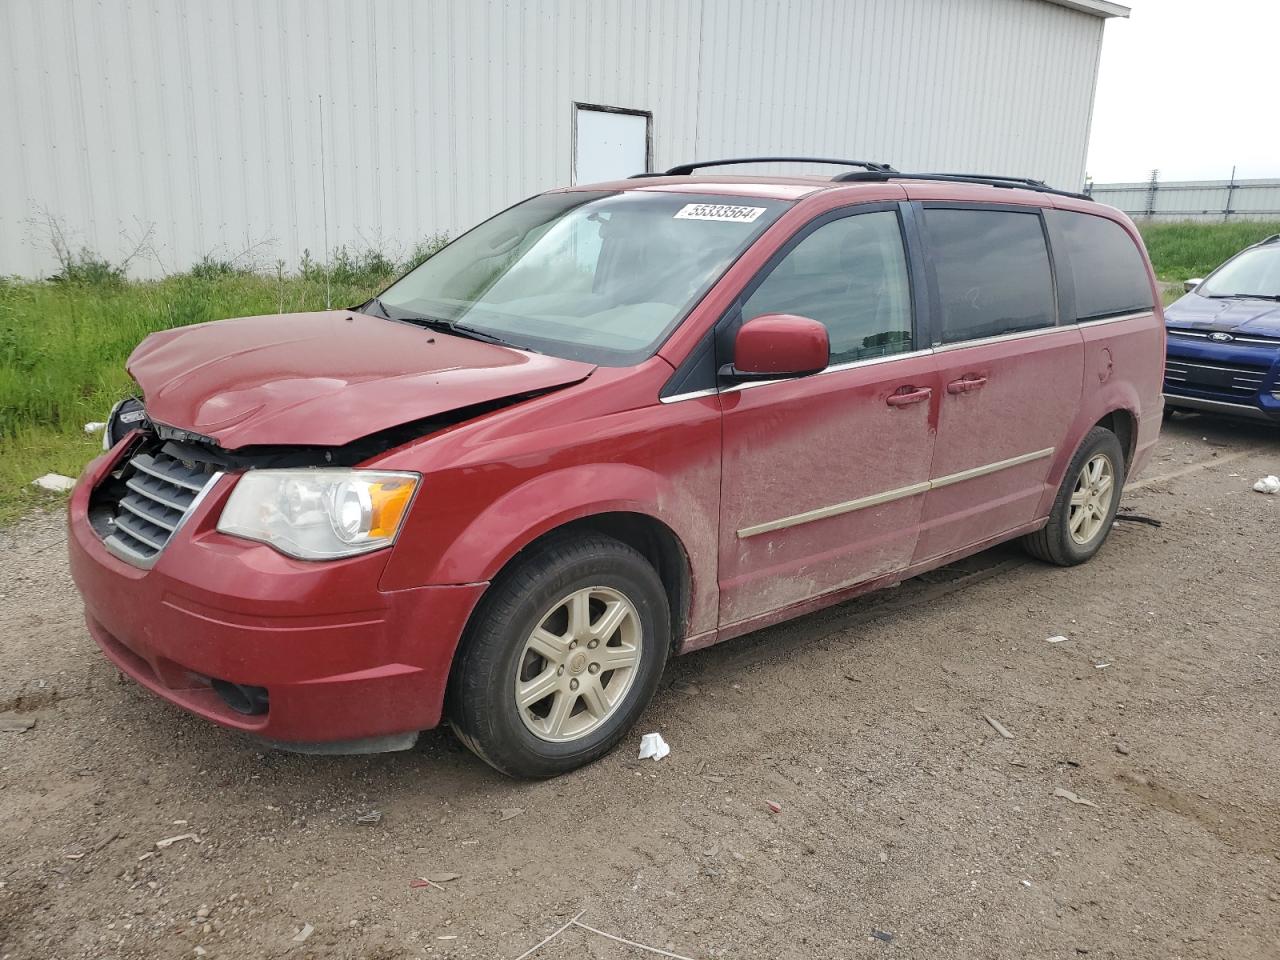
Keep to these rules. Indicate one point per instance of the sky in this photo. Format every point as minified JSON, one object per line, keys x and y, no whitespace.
{"x":1188,"y":87}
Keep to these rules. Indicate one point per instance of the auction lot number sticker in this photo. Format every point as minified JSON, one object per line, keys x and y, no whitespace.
{"x":727,"y":212}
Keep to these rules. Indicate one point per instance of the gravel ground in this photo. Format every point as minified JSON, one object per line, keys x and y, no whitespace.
{"x":907,"y":825}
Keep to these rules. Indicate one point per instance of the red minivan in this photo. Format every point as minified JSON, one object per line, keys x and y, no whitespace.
{"x":612,"y":424}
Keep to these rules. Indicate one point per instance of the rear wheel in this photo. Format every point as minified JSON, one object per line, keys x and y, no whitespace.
{"x":563,"y":655}
{"x":1086,"y":504}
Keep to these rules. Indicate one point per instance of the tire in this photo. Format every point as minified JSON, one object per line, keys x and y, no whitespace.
{"x":569,"y":727}
{"x":1056,"y":542}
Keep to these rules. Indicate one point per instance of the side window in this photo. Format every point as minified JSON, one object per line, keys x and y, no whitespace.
{"x":993,"y":272}
{"x":851,"y":275}
{"x":1108,"y":274}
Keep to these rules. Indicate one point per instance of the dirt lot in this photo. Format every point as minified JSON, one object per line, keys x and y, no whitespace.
{"x":902,"y":811}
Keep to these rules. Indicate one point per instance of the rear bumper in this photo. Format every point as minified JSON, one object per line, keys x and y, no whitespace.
{"x":341,"y":660}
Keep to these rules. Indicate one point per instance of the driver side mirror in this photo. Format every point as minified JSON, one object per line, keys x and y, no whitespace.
{"x":1189,"y":285}
{"x":778,"y":345}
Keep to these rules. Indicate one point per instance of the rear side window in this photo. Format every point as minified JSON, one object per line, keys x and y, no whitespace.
{"x":1107,"y":270}
{"x":993,"y":272}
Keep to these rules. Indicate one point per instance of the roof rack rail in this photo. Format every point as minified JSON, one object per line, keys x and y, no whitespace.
{"x":684,"y":169}
{"x":990,"y":180}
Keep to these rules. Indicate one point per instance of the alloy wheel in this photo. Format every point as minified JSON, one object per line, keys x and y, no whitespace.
{"x":578,"y":664}
{"x":1091,"y":499}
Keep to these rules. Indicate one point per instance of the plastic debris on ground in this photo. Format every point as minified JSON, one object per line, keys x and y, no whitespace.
{"x":1068,"y":795}
{"x":652,"y":745}
{"x":373,"y":816}
{"x":997,"y":726}
{"x":1056,"y":640}
{"x":170,"y":841}
{"x":773,"y":807}
{"x":509,"y":813}
{"x":54,"y":483}
{"x":94,"y":426}
{"x":302,"y":935}
{"x":1269,"y":484}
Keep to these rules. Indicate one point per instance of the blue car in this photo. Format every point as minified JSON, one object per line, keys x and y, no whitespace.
{"x":1224,"y":338}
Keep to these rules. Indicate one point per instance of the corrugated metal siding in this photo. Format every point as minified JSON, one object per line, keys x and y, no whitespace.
{"x":1195,"y":199}
{"x":201,"y":120}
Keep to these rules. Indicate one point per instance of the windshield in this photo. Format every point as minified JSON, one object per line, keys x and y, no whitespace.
{"x":594,"y":276}
{"x":1255,"y":273}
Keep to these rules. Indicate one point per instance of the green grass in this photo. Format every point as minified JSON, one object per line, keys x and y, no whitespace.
{"x":1180,"y":251}
{"x":63,"y":343}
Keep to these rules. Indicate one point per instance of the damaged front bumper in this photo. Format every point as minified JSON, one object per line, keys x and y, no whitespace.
{"x":307,"y":655}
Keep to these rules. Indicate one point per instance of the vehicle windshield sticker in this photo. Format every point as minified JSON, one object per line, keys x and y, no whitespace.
{"x":730,"y":213}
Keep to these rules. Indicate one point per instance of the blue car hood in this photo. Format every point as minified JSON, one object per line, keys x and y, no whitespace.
{"x":1261,"y":317}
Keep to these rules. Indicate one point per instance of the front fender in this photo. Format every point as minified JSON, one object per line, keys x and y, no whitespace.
{"x":512,"y":521}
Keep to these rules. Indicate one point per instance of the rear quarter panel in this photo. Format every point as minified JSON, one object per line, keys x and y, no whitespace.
{"x":1123,"y":363}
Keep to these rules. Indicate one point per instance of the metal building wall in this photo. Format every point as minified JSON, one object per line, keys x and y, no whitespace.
{"x":224,"y":126}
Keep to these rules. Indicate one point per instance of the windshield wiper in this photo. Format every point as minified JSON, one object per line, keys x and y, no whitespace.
{"x":457,"y":329}
{"x":375,"y":302}
{"x":1244,"y":296}
{"x":439,"y":323}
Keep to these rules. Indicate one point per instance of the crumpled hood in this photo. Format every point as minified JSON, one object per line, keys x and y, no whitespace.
{"x":1261,"y":317}
{"x":325,"y":379}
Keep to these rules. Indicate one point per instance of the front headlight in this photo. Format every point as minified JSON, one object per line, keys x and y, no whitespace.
{"x":319,"y":514}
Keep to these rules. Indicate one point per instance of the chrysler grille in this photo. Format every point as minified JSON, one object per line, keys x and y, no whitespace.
{"x":160,"y":491}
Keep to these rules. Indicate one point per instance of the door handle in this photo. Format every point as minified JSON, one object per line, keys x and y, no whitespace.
{"x":909,"y":395}
{"x":966,"y":385}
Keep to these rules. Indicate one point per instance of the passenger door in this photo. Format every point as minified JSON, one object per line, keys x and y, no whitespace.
{"x":824,"y":476}
{"x":1011,"y":375}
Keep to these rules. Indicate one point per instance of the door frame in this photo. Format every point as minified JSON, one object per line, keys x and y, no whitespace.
{"x":604,"y":108}
{"x":921,"y":295}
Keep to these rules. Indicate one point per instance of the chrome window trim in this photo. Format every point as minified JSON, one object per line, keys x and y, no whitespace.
{"x":1001,"y":338}
{"x":888,"y":496}
{"x":939,"y":348}
{"x":692,"y":395}
{"x":838,"y":368}
{"x":1120,"y":319}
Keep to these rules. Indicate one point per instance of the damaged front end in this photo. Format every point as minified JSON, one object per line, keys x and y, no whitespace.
{"x":309,"y":502}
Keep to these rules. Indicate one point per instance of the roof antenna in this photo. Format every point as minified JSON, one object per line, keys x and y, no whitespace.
{"x":324,"y":207}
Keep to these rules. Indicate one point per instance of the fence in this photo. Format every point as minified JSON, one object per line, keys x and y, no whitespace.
{"x":1155,"y":199}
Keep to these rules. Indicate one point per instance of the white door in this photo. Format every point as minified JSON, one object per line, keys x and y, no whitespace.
{"x":609,"y":145}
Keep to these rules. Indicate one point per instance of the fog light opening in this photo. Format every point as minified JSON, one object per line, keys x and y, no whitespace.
{"x":250,"y":701}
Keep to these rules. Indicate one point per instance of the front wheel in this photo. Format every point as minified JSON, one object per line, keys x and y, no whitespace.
{"x":1086,"y":504}
{"x":565,"y":652}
